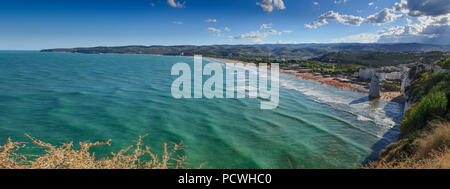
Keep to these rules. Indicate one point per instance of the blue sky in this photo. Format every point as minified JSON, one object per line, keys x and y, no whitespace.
{"x":27,"y":24}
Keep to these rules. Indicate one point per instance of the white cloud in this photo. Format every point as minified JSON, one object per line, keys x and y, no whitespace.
{"x":218,"y":32}
{"x":287,"y":42}
{"x":417,"y":8}
{"x":175,"y":4}
{"x":269,"y":5}
{"x":359,"y":38}
{"x":433,"y":22}
{"x":265,"y":26}
{"x":315,"y":3}
{"x":428,"y":30}
{"x":341,"y":18}
{"x":384,"y":16}
{"x":409,"y":21}
{"x":177,"y":22}
{"x":214,"y":30}
{"x":433,"y":26}
{"x":211,"y":20}
{"x":257,"y":36}
{"x":273,"y":32}
{"x":258,"y":40}
{"x":316,"y":23}
{"x":253,"y":36}
{"x":340,"y":1}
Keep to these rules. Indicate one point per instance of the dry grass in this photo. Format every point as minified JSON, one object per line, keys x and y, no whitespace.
{"x":429,"y":150}
{"x":434,"y":160}
{"x":66,"y":156}
{"x":436,"y":139}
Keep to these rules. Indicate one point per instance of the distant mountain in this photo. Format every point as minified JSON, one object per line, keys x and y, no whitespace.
{"x":376,"y":59}
{"x":261,"y":51}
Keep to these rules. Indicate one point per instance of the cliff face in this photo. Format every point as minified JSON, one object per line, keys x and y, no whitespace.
{"x":424,"y":141}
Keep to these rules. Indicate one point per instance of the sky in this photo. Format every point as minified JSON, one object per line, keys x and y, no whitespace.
{"x":34,"y":25}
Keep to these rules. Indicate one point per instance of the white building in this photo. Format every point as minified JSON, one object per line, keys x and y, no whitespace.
{"x":394,"y":75}
{"x":381,"y":76}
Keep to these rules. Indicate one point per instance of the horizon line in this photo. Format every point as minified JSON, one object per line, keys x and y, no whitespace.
{"x":254,"y":44}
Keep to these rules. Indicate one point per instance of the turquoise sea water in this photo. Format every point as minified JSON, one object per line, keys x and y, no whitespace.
{"x":60,"y":97}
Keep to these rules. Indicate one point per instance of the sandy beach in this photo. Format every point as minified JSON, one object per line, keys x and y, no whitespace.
{"x":330,"y":81}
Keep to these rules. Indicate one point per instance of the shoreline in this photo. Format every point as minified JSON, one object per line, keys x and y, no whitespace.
{"x":330,"y":81}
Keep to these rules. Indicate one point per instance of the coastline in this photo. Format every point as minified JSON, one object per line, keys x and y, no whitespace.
{"x":330,"y":81}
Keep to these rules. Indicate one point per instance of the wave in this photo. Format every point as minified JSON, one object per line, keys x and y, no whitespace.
{"x":322,"y":129}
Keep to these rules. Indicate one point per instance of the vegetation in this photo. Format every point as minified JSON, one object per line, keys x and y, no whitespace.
{"x":331,"y":69}
{"x":429,"y":150}
{"x":433,"y":104}
{"x":313,"y":66}
{"x":425,"y":82}
{"x":67,"y":157}
{"x":288,"y":51}
{"x":444,"y":62}
{"x":378,"y":59}
{"x":263,"y":60}
{"x":425,"y":130}
{"x":391,"y":85}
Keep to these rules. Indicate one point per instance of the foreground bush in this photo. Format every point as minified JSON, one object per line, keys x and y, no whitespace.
{"x":67,"y":157}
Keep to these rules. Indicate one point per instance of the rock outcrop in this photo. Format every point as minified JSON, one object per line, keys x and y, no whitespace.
{"x":366,"y":74}
{"x":374,"y":91}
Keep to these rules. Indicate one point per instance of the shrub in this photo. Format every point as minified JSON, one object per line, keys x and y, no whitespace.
{"x":67,"y":157}
{"x":391,"y":86}
{"x":425,"y":82}
{"x":444,"y":62}
{"x":432,"y":104}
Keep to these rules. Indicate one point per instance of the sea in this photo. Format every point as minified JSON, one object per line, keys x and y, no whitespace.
{"x":63,"y":97}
